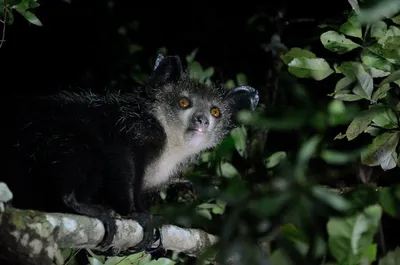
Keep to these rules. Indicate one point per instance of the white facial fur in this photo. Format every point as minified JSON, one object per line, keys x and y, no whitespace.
{"x":183,"y":143}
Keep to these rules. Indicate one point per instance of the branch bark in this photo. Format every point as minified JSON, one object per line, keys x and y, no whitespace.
{"x":42,"y":234}
{"x":34,"y":237}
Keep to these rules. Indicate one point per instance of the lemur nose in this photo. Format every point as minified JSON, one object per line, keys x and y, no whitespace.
{"x":201,"y":119}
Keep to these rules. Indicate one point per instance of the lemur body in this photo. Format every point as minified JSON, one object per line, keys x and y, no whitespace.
{"x":97,"y":155}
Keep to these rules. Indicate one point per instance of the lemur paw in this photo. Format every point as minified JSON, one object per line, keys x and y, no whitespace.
{"x":110,"y":229}
{"x":151,"y":234}
{"x":149,"y":224}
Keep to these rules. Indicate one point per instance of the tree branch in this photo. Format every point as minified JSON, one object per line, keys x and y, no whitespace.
{"x":24,"y":227}
{"x":3,"y":36}
{"x":34,"y":237}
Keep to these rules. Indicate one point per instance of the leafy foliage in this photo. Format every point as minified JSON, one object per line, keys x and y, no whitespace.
{"x":262,"y":190}
{"x":361,"y":80}
{"x":23,"y":7}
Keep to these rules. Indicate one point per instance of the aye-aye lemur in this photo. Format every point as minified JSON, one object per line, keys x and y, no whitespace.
{"x":98,"y":154}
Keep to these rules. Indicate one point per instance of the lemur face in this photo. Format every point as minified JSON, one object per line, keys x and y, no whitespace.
{"x":195,"y":115}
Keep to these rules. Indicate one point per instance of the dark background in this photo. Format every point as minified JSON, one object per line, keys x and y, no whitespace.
{"x":79,"y":44}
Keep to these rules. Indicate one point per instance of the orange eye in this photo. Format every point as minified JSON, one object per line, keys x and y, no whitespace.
{"x":215,"y":112}
{"x":184,"y":103}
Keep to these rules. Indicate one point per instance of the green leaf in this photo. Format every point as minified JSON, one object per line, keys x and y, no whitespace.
{"x":340,"y":136}
{"x":372,"y":59}
{"x":334,"y":200}
{"x":336,"y":107}
{"x":275,"y":159}
{"x":344,"y":83}
{"x":33,"y":4}
{"x":381,"y":92}
{"x":205,"y":213}
{"x":392,"y":43}
{"x":391,"y":78}
{"x":10,"y":18}
{"x":239,"y":135}
{"x":191,"y":56}
{"x":372,"y":130}
{"x":315,"y":68}
{"x":396,"y":19}
{"x":352,"y":27}
{"x":337,"y":42}
{"x":219,"y":207}
{"x":375,"y":10}
{"x":291,"y":232}
{"x":346,"y":96}
{"x":339,"y":158}
{"x":94,"y":261}
{"x":388,"y":201}
{"x":391,"y":56}
{"x":22,"y":6}
{"x":387,"y":119}
{"x":230,"y":84}
{"x":391,"y":258}
{"x":359,"y":90}
{"x":369,"y":255}
{"x":306,"y":152}
{"x":30,"y":17}
{"x":137,"y":258}
{"x":279,"y":257}
{"x":241,"y":79}
{"x":227,"y":170}
{"x":381,"y":149}
{"x":308,"y":149}
{"x":159,"y":261}
{"x":214,"y":207}
{"x":69,"y":252}
{"x":208,"y":73}
{"x":361,"y":122}
{"x":392,"y":31}
{"x":376,"y":73}
{"x":364,"y":86}
{"x":195,"y":70}
{"x":218,"y":210}
{"x":378,"y":30}
{"x":206,"y":205}
{"x":390,"y":162}
{"x":350,"y":238}
{"x":296,"y":53}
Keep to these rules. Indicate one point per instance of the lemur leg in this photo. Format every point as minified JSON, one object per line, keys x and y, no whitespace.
{"x":124,"y":195}
{"x":106,"y":216}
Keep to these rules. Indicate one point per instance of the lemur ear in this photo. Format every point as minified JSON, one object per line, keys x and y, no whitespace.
{"x":243,"y":97}
{"x":166,"y":70}
{"x":160,"y":57}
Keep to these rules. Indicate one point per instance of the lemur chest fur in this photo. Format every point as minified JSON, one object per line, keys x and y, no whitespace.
{"x":163,"y":167}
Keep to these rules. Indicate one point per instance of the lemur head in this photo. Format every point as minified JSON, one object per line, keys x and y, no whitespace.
{"x":194,"y":114}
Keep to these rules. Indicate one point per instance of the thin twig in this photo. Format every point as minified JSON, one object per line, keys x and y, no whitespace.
{"x":4,"y":24}
{"x":273,"y":81}
{"x":382,"y":239}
